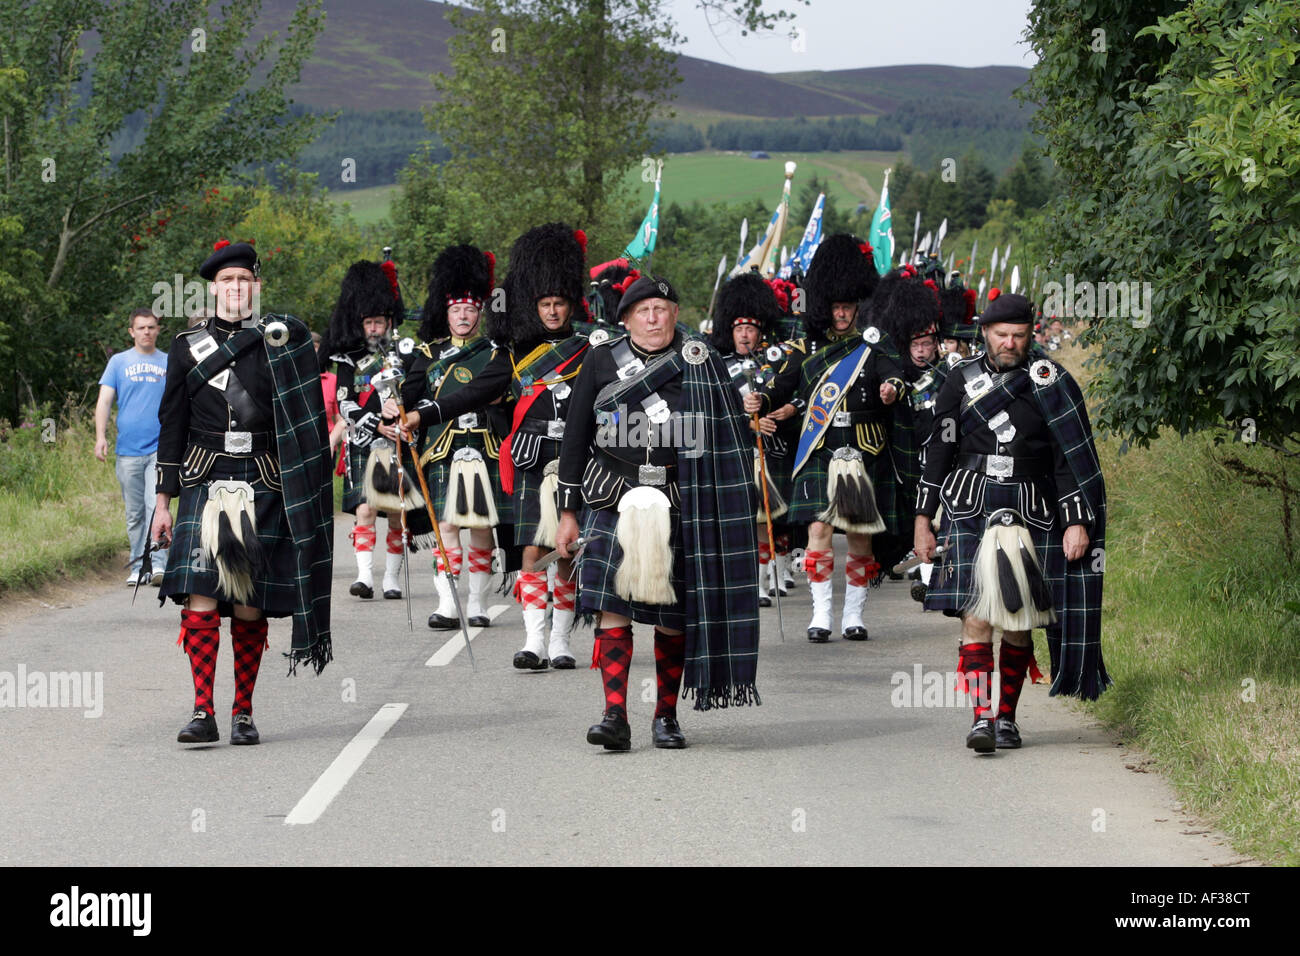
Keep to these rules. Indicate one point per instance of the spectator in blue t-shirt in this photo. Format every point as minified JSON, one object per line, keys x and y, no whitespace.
{"x":135,"y":379}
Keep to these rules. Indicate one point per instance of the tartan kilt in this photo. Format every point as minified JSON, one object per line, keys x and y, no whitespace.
{"x":527,"y":504}
{"x":599,"y":561}
{"x":810,"y":497}
{"x":190,"y":572}
{"x":437,"y":473}
{"x":952,"y":581}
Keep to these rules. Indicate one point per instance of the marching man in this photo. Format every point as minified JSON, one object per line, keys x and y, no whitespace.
{"x":658,"y":451}
{"x":243,"y":443}
{"x":1012,"y":459}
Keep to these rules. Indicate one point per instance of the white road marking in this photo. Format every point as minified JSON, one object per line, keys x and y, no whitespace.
{"x":329,"y":784}
{"x":447,"y":653}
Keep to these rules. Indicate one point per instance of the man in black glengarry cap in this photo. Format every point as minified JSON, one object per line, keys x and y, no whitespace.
{"x":1012,"y":460}
{"x":658,"y":449}
{"x":242,"y":441}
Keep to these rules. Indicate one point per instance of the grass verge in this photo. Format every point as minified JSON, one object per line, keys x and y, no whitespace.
{"x":1197,"y":639}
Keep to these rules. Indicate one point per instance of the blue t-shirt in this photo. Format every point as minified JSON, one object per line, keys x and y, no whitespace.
{"x":139,"y":380}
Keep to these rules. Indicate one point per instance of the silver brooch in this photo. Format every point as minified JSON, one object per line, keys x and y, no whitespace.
{"x":342,"y":394}
{"x":872,"y":334}
{"x":953,"y":359}
{"x":695,"y":352}
{"x":774,"y":353}
{"x":1043,"y":372}
{"x":406,"y":346}
{"x":598,"y":336}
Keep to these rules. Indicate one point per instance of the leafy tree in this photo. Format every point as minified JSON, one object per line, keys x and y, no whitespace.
{"x":209,"y":102}
{"x":1172,"y":128}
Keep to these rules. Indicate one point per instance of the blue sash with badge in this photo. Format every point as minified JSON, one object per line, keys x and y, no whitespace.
{"x":826,"y":395}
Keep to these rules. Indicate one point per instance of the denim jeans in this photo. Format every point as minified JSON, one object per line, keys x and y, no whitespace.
{"x":136,"y":476}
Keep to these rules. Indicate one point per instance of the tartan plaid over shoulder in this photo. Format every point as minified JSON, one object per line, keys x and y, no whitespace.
{"x":1075,"y":639}
{"x":306,"y":477}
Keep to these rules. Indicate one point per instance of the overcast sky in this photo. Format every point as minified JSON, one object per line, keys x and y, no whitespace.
{"x":844,"y":34}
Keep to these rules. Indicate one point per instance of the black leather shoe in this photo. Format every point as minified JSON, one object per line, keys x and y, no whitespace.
{"x":393,"y":595}
{"x":479,"y":620}
{"x":243,"y":730}
{"x":201,"y":730}
{"x":764,"y":601}
{"x":818,"y":635}
{"x":855,"y":634}
{"x":563,"y":663}
{"x":361,"y":590}
{"x":1008,"y":734}
{"x":981,"y":738}
{"x":918,"y":591}
{"x":667,"y":734}
{"x":440,"y":623}
{"x":613,"y":732}
{"x":528,"y":661}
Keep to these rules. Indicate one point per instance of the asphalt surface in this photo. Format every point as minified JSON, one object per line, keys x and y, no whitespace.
{"x":384,"y":759}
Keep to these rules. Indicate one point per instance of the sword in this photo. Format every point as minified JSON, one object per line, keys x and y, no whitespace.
{"x":390,"y":385}
{"x":907,"y":564}
{"x":146,"y":562}
{"x":437,"y":537}
{"x":767,"y":513}
{"x":559,"y":553}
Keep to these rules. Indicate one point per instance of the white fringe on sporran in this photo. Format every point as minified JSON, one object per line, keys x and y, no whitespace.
{"x":644,"y":532}
{"x":382,"y":480}
{"x":852,"y":498}
{"x":549,"y":523}
{"x":470,"y":502}
{"x":1007,"y":575}
{"x":774,"y":499}
{"x":228,"y":538}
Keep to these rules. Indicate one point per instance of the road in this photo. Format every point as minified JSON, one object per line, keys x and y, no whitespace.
{"x":384,"y":759}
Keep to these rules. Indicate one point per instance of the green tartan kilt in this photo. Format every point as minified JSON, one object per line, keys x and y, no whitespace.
{"x":527,"y":504}
{"x":811,"y":497}
{"x":599,"y":561}
{"x":189,"y":571}
{"x":953,"y":578}
{"x":354,"y":476}
{"x":438,"y":473}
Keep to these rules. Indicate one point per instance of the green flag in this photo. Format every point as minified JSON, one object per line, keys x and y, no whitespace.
{"x":643,"y":243}
{"x":882,"y":231}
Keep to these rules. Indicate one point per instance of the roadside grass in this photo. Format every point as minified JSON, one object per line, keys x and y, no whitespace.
{"x":60,"y":509}
{"x":1196,"y":636}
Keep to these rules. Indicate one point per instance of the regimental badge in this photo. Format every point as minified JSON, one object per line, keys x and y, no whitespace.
{"x":526,"y":380}
{"x":663,"y":289}
{"x":829,"y":392}
{"x":598,"y":337}
{"x":1043,"y":372}
{"x":461,"y":374}
{"x":774,"y":353}
{"x":872,"y":335}
{"x":342,"y":395}
{"x":694,"y":351}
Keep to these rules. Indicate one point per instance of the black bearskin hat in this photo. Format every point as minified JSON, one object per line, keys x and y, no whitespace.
{"x":369,"y":289}
{"x":460,"y":272}
{"x":958,"y":307}
{"x":545,"y":261}
{"x":745,"y":295}
{"x":840,"y":271}
{"x":607,"y":288}
{"x":905,"y":307}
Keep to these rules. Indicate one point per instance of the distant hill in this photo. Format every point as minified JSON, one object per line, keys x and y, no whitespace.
{"x":379,"y":54}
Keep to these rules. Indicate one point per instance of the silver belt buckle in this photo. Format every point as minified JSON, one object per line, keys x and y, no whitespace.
{"x":630,"y":369}
{"x":659,"y":412}
{"x":555,"y":429}
{"x":1000,"y":466}
{"x":468,"y":420}
{"x":239,"y":443}
{"x":842,"y":419}
{"x":655,"y":475}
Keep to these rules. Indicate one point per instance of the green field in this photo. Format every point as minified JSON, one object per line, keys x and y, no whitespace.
{"x":368,"y":205}
{"x":709,"y":177}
